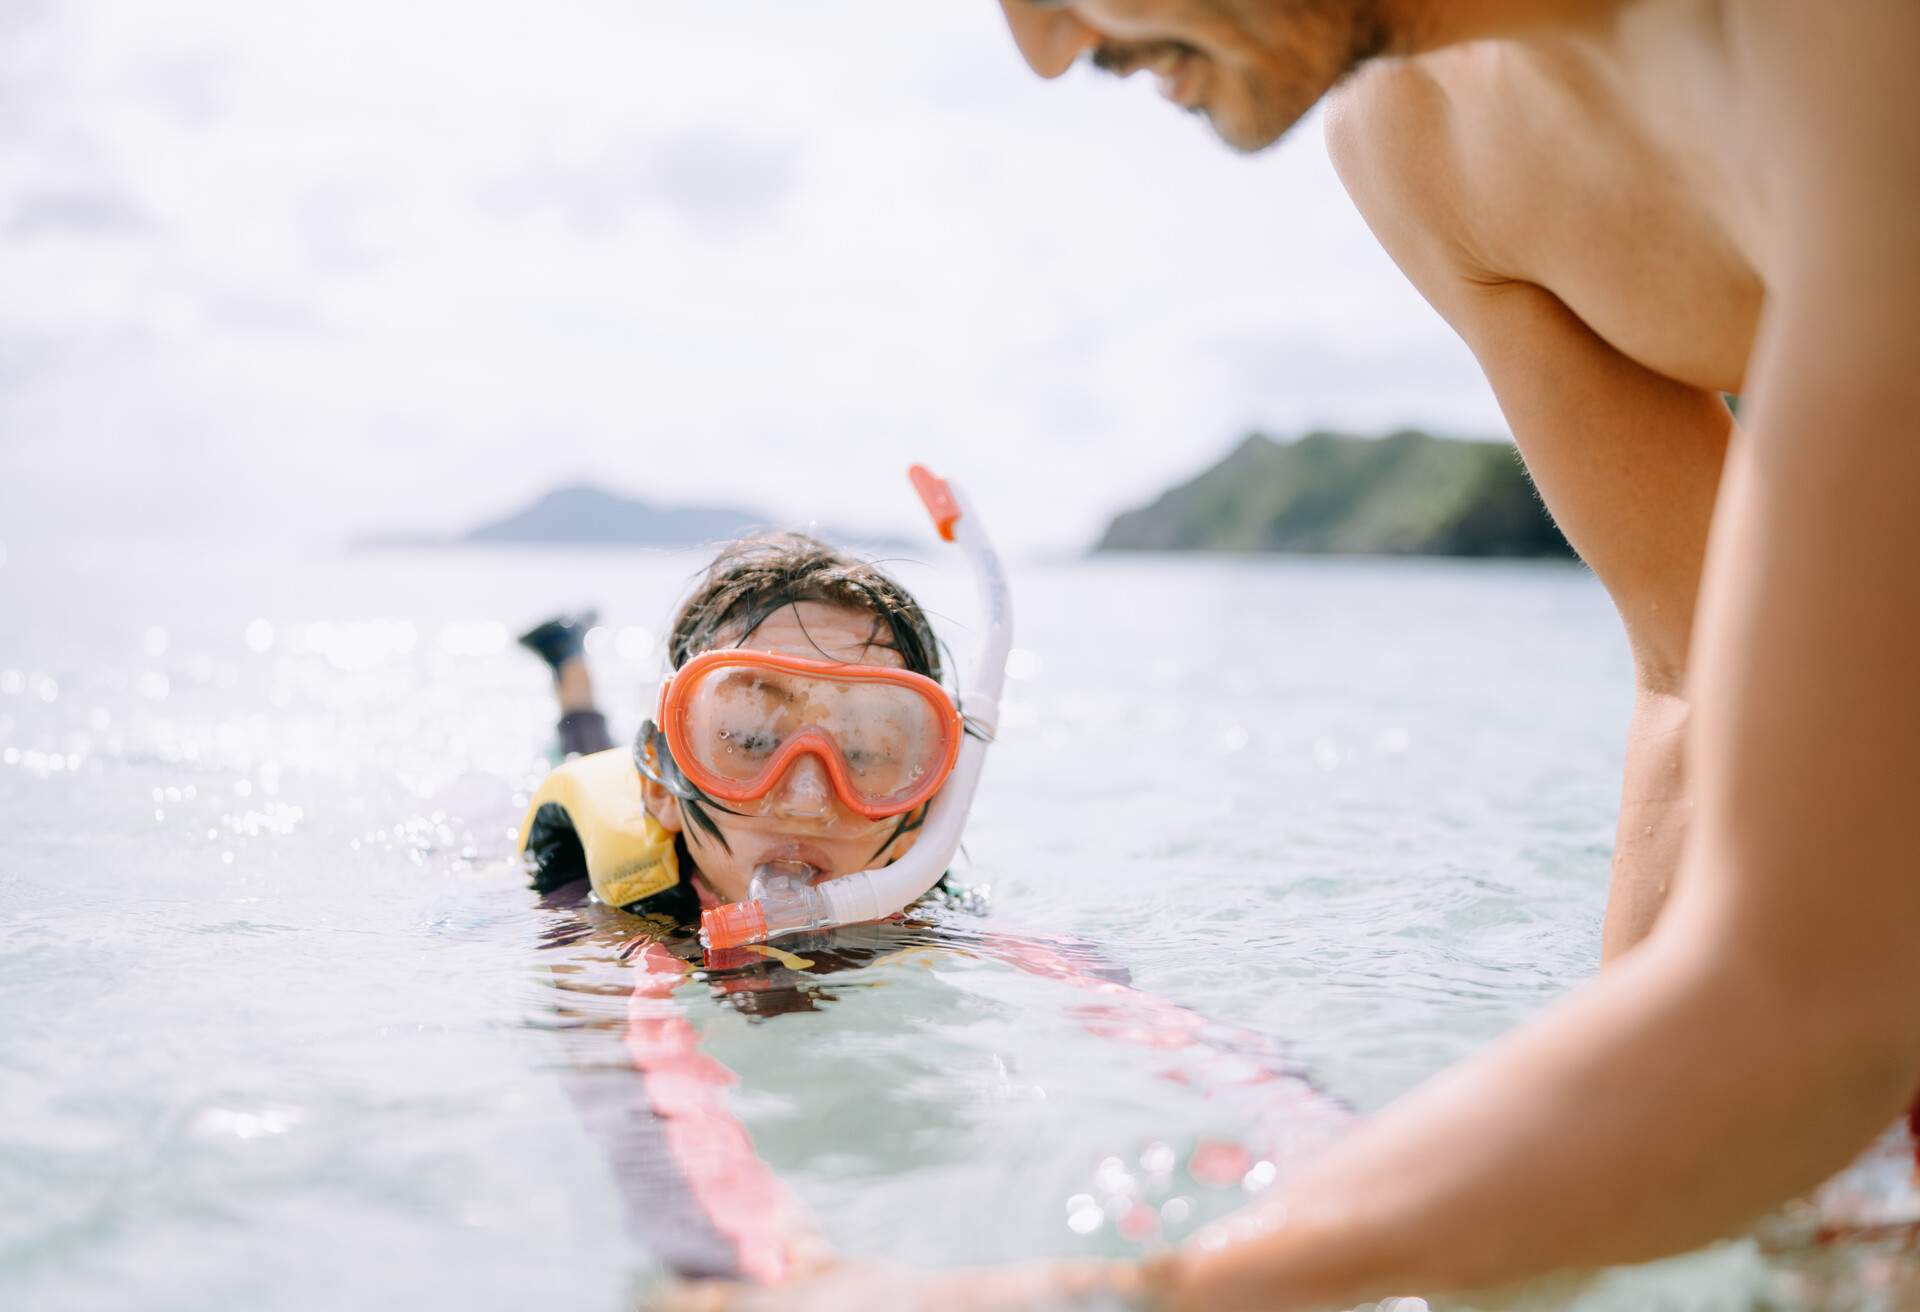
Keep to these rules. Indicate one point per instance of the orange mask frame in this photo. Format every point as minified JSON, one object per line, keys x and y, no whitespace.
{"x":676,"y":695}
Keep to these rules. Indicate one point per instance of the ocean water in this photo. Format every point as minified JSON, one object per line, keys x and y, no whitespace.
{"x":281,"y":1026}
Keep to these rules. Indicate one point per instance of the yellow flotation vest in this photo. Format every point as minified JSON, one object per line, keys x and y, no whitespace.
{"x":588,"y":818}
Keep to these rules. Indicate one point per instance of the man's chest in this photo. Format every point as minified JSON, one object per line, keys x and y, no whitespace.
{"x":1633,"y":212}
{"x":1654,"y":279}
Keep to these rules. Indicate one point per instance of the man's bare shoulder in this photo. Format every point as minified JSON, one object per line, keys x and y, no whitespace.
{"x":1388,"y":113}
{"x":1395,"y":134}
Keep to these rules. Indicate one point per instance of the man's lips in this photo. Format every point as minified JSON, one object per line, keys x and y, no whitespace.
{"x":1177,"y":73}
{"x":1176,"y":68}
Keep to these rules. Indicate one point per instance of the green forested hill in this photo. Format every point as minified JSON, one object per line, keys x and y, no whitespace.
{"x":1405,"y":494}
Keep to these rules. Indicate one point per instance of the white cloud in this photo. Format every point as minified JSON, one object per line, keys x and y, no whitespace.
{"x":310,"y":268}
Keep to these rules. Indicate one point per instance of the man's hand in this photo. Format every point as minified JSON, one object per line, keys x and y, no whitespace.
{"x":1040,"y":1287}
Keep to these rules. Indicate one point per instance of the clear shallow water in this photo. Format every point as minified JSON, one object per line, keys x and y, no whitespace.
{"x":278,"y":1027}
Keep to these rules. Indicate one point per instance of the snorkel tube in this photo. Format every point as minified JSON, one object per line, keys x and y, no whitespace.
{"x":782,"y":901}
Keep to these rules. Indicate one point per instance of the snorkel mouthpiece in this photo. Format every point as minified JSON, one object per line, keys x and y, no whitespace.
{"x":780,"y":903}
{"x":780,"y":900}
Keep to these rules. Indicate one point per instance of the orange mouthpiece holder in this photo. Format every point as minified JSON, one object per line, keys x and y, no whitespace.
{"x":733,"y":925}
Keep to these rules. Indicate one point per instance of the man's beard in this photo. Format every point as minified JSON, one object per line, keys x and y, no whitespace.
{"x":1252,"y":105}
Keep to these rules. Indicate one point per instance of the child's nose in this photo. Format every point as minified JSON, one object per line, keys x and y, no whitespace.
{"x":805,"y":792}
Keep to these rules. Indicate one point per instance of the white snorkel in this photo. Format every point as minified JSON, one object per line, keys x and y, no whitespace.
{"x":779,"y":903}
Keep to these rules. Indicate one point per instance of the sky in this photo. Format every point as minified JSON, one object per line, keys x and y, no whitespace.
{"x":297,"y":272}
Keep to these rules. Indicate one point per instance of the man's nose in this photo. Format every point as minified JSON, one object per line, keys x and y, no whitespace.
{"x":804,"y":792}
{"x":1050,"y":37}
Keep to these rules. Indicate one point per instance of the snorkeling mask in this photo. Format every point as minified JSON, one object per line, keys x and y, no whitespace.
{"x":888,"y":739}
{"x":736,"y":720}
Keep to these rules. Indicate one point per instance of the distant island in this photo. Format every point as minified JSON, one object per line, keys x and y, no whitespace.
{"x":584,"y":515}
{"x":1407,"y":494}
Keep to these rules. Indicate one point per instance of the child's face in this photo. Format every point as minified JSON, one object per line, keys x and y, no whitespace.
{"x":802,"y":818}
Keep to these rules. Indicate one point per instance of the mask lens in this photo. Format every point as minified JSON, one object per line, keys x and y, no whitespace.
{"x":740,"y":717}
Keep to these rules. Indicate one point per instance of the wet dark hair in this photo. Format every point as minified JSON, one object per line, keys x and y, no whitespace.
{"x":762,"y":573}
{"x":752,"y":578}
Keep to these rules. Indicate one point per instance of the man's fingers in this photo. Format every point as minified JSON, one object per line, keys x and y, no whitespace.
{"x":810,"y":1256}
{"x":836,"y":1288}
{"x":701,"y":1296}
{"x":851,"y":1288}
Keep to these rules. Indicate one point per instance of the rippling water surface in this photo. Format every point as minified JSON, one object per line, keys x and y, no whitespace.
{"x":280,"y":1026}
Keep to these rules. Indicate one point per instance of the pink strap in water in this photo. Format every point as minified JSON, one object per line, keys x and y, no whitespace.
{"x":686,"y":1089}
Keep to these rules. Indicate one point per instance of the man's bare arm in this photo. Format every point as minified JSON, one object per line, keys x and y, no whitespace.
{"x":1627,"y":460}
{"x":1764,"y":1032}
{"x":1630,"y":464}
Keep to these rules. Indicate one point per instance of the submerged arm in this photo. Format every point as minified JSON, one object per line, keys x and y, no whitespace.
{"x":1629,"y":462}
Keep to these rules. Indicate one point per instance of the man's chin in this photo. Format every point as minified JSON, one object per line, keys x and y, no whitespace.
{"x":1247,"y":134}
{"x":1238,"y":137}
{"x":1251,"y":114}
